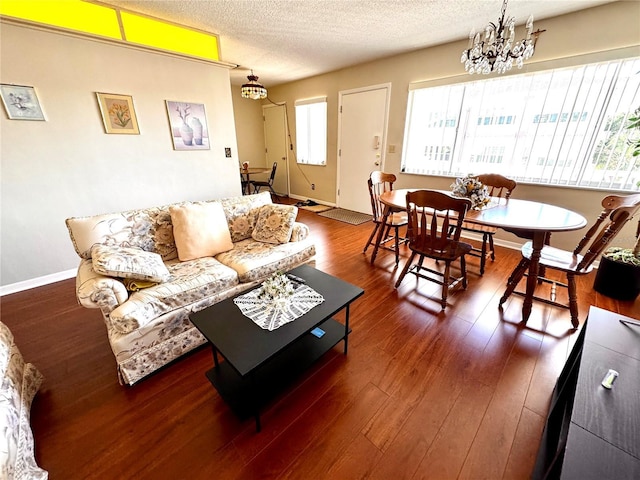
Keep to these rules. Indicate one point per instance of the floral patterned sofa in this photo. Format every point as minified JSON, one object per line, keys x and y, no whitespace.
{"x":19,"y":383}
{"x":148,"y":269}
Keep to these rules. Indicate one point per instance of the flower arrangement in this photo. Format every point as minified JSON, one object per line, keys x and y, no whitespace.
{"x":471,"y":188}
{"x":276,"y":288}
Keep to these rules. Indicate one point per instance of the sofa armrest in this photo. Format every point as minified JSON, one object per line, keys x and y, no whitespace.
{"x":98,"y":291}
{"x":300,"y":232}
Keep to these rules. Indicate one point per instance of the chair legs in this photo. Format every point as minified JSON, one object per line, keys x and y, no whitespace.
{"x":487,"y":239}
{"x":491,"y":247}
{"x":520,"y":271}
{"x":386,"y":238}
{"x":573,"y":300}
{"x":406,"y":269}
{"x":397,"y":249}
{"x":256,"y":189}
{"x":446,"y":275}
{"x":373,"y":234}
{"x":445,"y":285}
{"x":514,"y":279}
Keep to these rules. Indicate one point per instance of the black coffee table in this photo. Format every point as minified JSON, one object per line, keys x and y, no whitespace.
{"x":259,"y":363}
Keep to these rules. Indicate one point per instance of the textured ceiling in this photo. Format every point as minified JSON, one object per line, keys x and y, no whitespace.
{"x":285,"y":40}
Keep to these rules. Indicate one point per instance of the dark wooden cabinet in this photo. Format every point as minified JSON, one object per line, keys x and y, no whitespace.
{"x":591,"y":431}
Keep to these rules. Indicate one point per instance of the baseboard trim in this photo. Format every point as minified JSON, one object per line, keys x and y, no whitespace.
{"x":319,"y":202}
{"x":37,"y":282}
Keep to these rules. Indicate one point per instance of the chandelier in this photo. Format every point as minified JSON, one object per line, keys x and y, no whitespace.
{"x":497,"y":51}
{"x":253,"y":89}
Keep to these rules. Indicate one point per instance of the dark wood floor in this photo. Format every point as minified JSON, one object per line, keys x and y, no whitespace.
{"x":422,"y":394}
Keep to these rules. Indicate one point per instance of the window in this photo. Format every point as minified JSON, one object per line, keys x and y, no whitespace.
{"x":563,"y":126}
{"x":311,"y":131}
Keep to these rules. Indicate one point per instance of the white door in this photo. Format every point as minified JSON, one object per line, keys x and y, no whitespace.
{"x":363,"y":115}
{"x":276,"y":145}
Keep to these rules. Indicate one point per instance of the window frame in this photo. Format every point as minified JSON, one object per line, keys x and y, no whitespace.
{"x":500,"y":118}
{"x":311,"y":131}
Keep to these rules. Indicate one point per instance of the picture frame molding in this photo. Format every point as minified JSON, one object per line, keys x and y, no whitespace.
{"x":110,"y":126}
{"x":10,"y":109}
{"x":176,"y":122}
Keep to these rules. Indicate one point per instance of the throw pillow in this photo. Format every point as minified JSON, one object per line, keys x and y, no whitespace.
{"x":128,"y":262}
{"x":275,"y":223}
{"x":200,"y":230}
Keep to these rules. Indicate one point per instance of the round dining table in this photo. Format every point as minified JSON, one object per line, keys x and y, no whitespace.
{"x":524,"y":218}
{"x":247,"y":172}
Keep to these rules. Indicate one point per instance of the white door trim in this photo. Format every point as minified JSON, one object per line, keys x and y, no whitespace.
{"x":383,"y":146}
{"x":282,"y":105}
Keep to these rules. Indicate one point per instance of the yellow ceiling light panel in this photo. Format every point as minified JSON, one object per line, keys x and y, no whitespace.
{"x":68,"y":14}
{"x":154,"y":33}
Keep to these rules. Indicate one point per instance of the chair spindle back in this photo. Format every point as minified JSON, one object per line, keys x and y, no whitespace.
{"x":435,"y":219}
{"x":619,"y":209}
{"x":379,"y":182}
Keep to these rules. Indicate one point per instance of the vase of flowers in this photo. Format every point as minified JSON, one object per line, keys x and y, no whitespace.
{"x":470,"y":187}
{"x":276,"y":290}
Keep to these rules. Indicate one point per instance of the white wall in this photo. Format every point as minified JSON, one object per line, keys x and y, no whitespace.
{"x":249,"y":123}
{"x":67,"y":166}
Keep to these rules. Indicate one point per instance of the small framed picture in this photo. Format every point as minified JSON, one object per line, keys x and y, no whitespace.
{"x":188,"y":124}
{"x":118,"y":114}
{"x":21,"y":102}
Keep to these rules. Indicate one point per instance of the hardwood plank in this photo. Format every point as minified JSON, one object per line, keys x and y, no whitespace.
{"x":356,"y":461}
{"x":488,"y":454}
{"x":406,"y":382}
{"x":448,"y":451}
{"x":403,"y":456}
{"x":522,"y":457}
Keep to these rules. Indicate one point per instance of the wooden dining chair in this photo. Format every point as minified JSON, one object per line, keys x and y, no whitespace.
{"x":498,"y":186}
{"x":378,"y":183}
{"x":244,"y":184}
{"x":619,"y":210}
{"x":435,"y":223}
{"x":258,"y":184}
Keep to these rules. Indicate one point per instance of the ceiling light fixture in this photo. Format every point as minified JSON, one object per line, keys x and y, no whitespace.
{"x":253,"y":89}
{"x":497,"y":51}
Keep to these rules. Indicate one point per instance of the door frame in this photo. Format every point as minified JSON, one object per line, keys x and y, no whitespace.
{"x":383,"y":146}
{"x":285,"y":128}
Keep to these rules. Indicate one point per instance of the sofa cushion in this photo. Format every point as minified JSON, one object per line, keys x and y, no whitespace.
{"x":257,"y":260}
{"x":200,"y":230}
{"x":128,"y":262}
{"x":190,"y":282}
{"x":275,"y":223}
{"x":18,"y":385}
{"x":242,"y":213}
{"x":149,"y":229}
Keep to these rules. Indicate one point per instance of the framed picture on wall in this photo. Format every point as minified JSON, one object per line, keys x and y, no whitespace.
{"x":21,"y":102}
{"x":118,"y":114}
{"x":188,"y":124}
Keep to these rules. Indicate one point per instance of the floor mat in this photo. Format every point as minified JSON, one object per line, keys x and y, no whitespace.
{"x":315,"y":208}
{"x":347,"y":216}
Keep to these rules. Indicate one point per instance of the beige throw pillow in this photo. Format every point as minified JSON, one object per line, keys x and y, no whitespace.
{"x":275,"y":223}
{"x":200,"y":230}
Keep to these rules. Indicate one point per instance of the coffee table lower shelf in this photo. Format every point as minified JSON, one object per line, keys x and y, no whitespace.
{"x":247,"y":394}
